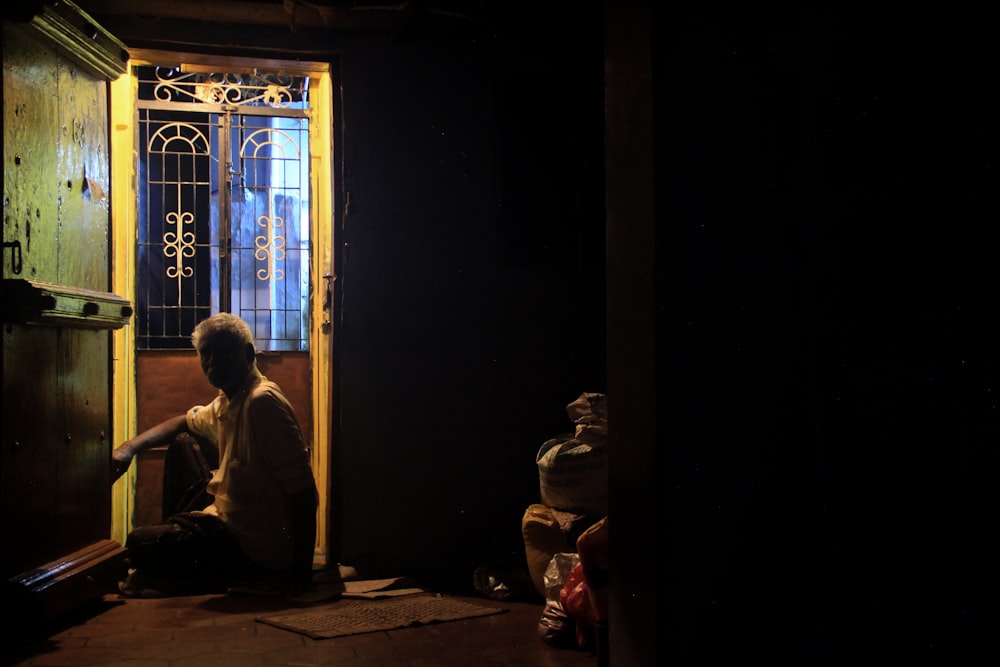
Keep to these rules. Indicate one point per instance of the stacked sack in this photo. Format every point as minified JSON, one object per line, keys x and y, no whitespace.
{"x":573,"y":486}
{"x":573,"y":471}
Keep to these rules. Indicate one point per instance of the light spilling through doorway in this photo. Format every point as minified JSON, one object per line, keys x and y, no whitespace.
{"x":223,"y":205}
{"x":222,"y":200}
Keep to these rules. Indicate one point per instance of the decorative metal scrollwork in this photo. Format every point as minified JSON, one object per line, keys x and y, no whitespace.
{"x":178,"y":245}
{"x":270,"y":247}
{"x":256,"y":89}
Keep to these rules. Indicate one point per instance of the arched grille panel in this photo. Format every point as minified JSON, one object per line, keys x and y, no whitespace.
{"x":223,"y":209}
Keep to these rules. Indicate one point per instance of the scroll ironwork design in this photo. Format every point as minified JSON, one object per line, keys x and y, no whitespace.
{"x":179,"y":244}
{"x":255,"y":89}
{"x":270,"y":247}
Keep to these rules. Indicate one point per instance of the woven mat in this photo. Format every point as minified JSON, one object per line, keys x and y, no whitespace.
{"x":358,"y":617}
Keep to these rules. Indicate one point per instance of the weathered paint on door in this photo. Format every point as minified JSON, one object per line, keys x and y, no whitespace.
{"x":54,"y":467}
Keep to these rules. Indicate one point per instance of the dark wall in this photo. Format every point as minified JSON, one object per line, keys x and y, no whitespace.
{"x":472,"y":289}
{"x":827,"y":197}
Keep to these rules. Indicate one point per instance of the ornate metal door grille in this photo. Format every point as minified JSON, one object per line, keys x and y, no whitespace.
{"x":223,"y":205}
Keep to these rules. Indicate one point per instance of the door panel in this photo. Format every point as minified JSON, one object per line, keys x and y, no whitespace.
{"x":56,"y":411}
{"x":269,"y":227}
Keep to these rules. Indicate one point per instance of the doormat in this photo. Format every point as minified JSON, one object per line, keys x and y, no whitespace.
{"x":355,"y":618}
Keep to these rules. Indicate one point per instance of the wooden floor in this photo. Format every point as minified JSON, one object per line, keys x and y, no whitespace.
{"x":221,"y":630}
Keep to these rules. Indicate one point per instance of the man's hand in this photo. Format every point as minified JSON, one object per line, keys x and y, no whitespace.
{"x":121,"y":458}
{"x":161,"y":434}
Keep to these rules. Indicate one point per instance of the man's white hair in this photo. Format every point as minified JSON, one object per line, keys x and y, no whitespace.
{"x":225,"y":325}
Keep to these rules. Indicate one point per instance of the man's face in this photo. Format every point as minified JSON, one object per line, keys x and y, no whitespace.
{"x":225,"y":361}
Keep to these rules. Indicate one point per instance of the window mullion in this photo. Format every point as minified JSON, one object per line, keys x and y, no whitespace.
{"x":227,"y":172}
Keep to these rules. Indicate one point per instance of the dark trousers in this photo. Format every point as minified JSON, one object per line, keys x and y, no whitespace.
{"x":187,"y":469}
{"x":191,"y":550}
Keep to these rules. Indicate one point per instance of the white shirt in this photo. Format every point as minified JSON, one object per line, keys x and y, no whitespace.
{"x":262,"y":460}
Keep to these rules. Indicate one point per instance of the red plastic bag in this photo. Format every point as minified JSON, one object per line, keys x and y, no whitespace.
{"x":576,"y":602}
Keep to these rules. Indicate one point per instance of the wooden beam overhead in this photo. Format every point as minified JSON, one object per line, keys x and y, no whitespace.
{"x":293,"y":14}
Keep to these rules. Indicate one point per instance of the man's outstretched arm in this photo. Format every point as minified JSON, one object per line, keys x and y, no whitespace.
{"x":160,"y":434}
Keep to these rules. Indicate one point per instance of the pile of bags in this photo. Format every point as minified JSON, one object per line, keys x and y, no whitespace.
{"x":565,"y":535}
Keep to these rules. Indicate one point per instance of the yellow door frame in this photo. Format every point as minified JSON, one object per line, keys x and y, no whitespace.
{"x":124,"y":233}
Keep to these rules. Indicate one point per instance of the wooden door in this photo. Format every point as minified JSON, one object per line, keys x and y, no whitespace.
{"x":55,"y":491}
